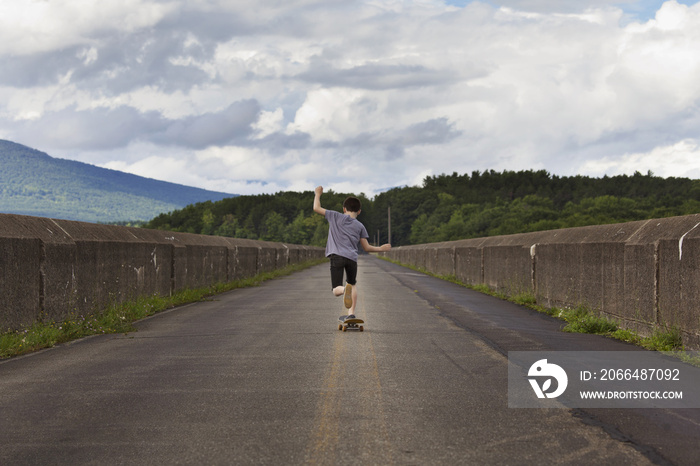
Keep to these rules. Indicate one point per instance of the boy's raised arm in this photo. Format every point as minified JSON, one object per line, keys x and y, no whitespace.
{"x":317,"y":201}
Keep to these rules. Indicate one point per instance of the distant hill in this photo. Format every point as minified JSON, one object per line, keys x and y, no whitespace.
{"x":33,"y":183}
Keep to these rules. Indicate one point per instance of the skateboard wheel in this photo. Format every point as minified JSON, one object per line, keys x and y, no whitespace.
{"x":345,"y":329}
{"x":340,"y":326}
{"x":362,"y":329}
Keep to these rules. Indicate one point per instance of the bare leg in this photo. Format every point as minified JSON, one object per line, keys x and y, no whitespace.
{"x":354,"y":300}
{"x":338,"y":290}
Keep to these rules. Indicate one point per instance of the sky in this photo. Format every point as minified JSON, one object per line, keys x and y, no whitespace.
{"x":262,"y":96}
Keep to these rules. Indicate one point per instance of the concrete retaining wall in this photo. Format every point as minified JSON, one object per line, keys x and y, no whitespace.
{"x":51,"y":269}
{"x":644,"y":274}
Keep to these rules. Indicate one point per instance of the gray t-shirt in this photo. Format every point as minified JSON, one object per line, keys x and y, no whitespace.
{"x":344,"y":235}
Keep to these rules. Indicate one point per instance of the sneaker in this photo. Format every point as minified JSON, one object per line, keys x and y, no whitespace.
{"x":347,"y":299}
{"x":351,"y":316}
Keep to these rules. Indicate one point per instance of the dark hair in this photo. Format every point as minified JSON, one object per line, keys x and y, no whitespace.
{"x":352,"y":204}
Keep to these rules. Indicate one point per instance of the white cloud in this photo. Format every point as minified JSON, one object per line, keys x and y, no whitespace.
{"x":327,"y":114}
{"x":31,"y":26}
{"x":286,"y":95}
{"x":269,"y":123}
{"x":681,"y":159}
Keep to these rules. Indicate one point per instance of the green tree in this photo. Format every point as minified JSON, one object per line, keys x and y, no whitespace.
{"x":229,"y":226}
{"x":273,"y":227}
{"x":207,"y":222}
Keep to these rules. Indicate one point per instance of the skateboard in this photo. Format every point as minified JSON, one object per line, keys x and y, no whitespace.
{"x":350,"y":324}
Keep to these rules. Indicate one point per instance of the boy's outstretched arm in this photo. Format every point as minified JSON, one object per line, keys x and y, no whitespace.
{"x":317,"y":201}
{"x":369,"y":248}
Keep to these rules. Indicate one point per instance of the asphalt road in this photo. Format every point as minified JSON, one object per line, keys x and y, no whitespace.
{"x":263,"y":376}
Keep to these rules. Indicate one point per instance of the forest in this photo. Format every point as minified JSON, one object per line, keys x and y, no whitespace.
{"x":448,"y":207}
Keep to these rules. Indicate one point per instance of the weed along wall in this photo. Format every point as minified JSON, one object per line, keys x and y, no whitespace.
{"x":645,"y":274}
{"x":52,"y":268}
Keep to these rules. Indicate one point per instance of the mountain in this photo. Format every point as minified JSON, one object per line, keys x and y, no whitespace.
{"x":33,"y":183}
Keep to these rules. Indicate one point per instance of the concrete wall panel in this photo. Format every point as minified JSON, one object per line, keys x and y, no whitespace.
{"x":445,"y":261}
{"x":20,"y":281}
{"x":507,"y":269}
{"x":640,"y":276}
{"x":669,"y":286}
{"x":557,"y":274}
{"x":688,"y":314}
{"x":468,"y":265}
{"x":58,"y":276}
{"x":246,"y":262}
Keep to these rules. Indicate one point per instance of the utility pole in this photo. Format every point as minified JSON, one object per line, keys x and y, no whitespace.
{"x":388,"y":214}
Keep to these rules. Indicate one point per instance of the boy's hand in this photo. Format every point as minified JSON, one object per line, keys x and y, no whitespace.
{"x":385,"y":247}
{"x":317,"y":201}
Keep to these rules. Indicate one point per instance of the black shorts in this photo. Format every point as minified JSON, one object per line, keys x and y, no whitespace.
{"x":340,"y":264}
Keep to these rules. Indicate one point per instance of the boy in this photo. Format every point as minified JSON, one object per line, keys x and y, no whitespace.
{"x":344,"y":234}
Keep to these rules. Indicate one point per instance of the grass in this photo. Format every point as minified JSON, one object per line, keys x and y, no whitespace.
{"x":580,"y":319}
{"x":119,"y":318}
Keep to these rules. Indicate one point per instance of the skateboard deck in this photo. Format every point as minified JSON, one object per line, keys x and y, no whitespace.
{"x":350,"y":324}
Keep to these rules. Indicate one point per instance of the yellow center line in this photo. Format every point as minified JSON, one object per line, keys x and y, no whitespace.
{"x":374,"y":415}
{"x":326,"y":437}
